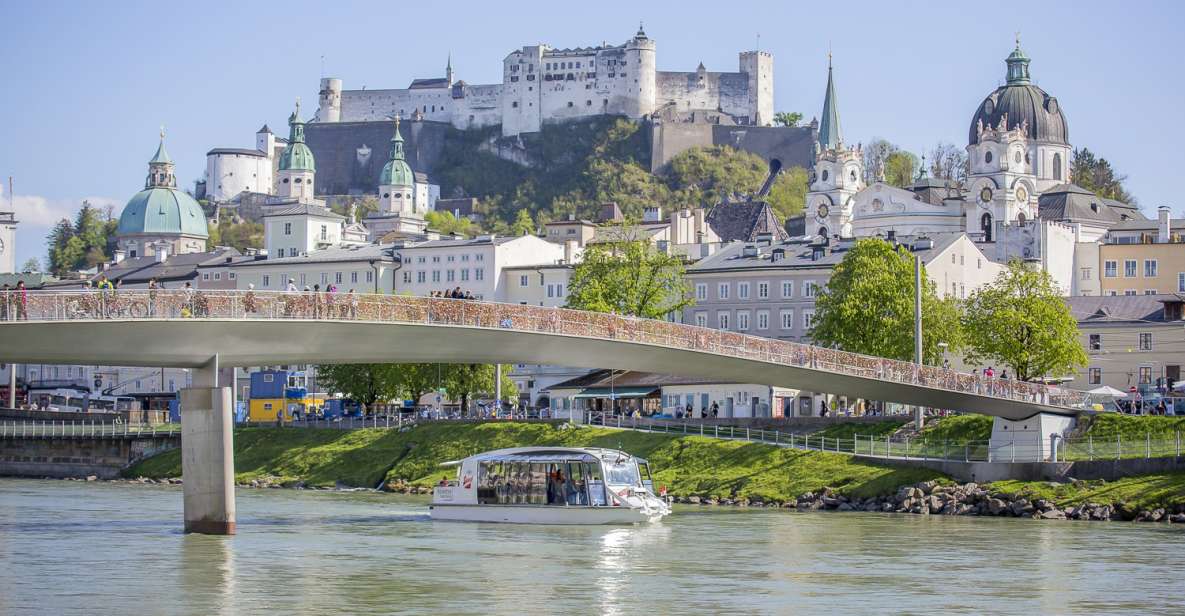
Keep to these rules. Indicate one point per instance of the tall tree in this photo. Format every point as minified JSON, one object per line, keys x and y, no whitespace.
{"x":900,"y":168}
{"x":868,"y":306}
{"x":948,"y":162}
{"x":523,"y":224}
{"x":91,"y":227}
{"x":463,"y":381}
{"x":31,"y":265}
{"x":61,"y":261}
{"x":1094,"y":173}
{"x":1021,"y":321}
{"x":630,"y":277}
{"x":365,"y":383}
{"x":787,"y":118}
{"x":446,"y":223}
{"x":876,"y":154}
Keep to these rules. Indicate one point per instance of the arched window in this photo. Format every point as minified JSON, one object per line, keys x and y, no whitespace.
{"x":987,"y":157}
{"x":1021,"y":218}
{"x":985,"y":225}
{"x":823,"y":231}
{"x":1057,"y":166}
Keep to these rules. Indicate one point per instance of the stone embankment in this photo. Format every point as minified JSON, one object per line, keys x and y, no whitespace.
{"x":933,"y":498}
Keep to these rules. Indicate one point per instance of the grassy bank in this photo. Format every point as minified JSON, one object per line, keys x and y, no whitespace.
{"x":1142,"y":492}
{"x":686,"y":465}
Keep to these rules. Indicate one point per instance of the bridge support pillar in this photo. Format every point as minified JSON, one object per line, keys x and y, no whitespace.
{"x":207,"y":454}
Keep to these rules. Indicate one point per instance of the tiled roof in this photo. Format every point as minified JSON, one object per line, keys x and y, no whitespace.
{"x":305,"y":209}
{"x":744,"y":221}
{"x":1089,"y":309}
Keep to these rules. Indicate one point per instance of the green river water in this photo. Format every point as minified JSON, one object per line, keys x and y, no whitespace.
{"x":112,"y":548}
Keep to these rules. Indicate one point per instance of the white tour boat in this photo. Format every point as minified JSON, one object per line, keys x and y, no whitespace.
{"x":549,"y":485}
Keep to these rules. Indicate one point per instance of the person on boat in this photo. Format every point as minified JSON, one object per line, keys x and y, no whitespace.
{"x":443,"y":481}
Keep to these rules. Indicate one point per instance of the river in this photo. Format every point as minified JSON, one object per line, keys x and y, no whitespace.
{"x":113,"y":548}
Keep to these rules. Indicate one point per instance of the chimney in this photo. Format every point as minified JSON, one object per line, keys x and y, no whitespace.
{"x":765,"y":239}
{"x":1164,"y":228}
{"x":750,"y":250}
{"x":118,"y":256}
{"x":569,"y":252}
{"x":162,"y":252}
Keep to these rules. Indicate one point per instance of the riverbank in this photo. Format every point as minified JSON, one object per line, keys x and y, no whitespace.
{"x":693,"y":469}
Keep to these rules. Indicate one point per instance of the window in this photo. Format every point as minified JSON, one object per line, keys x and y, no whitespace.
{"x":217,"y":276}
{"x":421,"y":276}
{"x":1057,"y":166}
{"x":1150,"y":268}
{"x":742,"y":320}
{"x":1149,"y":291}
{"x":1145,"y":375}
{"x":808,"y":318}
{"x":436,"y":258}
{"x":267,"y":280}
{"x":436,"y":276}
{"x":762,"y":319}
{"x":524,"y":280}
{"x":743,"y":290}
{"x":231,"y":276}
{"x":701,"y":319}
{"x":1145,"y":341}
{"x":1129,"y":292}
{"x":302,"y":280}
{"x":787,"y":317}
{"x":701,"y":292}
{"x":722,"y":320}
{"x":407,"y":277}
{"x":370,"y":276}
{"x":1181,"y":282}
{"x":1110,"y":269}
{"x":722,"y":290}
{"x":1095,"y":376}
{"x":809,"y":289}
{"x":353,"y":276}
{"x":324,"y":278}
{"x":787,"y":289}
{"x":1129,"y":268}
{"x":324,"y":233}
{"x":478,"y":257}
{"x":1086,"y":273}
{"x":206,"y":276}
{"x":337,"y":278}
{"x":464,"y":275}
{"x":763,"y":290}
{"x":1096,"y":342}
{"x":479,"y":273}
{"x":287,"y":228}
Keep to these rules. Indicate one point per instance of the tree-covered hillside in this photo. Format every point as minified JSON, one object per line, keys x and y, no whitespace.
{"x":576,"y":166}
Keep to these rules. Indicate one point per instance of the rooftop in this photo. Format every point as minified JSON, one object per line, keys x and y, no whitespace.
{"x":807,"y":253}
{"x":1096,"y":309}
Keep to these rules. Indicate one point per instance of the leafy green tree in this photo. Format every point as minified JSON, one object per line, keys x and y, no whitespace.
{"x":868,"y":306}
{"x":446,"y":223}
{"x":900,"y":168}
{"x":1020,"y":320}
{"x":787,"y":196}
{"x":523,"y":225}
{"x":1095,"y":174}
{"x":463,"y":381}
{"x":365,"y":383}
{"x":60,"y":263}
{"x":32,"y":265}
{"x":787,"y":118}
{"x":629,"y":277}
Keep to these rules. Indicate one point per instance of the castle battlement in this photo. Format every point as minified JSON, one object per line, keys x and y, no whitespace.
{"x":542,"y":84}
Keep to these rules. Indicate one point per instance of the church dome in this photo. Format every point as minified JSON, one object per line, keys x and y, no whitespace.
{"x":396,"y":172}
{"x":163,"y":211}
{"x":1022,"y":102}
{"x":296,"y":155}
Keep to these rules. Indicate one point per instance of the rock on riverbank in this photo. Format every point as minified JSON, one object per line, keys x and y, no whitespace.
{"x":933,"y":498}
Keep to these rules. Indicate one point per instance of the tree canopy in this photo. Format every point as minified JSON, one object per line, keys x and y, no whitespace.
{"x":868,"y":306}
{"x":374,"y":383}
{"x":1094,"y":173}
{"x":787,"y":118}
{"x":1021,"y":321}
{"x":83,"y":243}
{"x":629,"y":277}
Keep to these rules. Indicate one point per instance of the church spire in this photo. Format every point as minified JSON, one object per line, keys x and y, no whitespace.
{"x":1018,"y":65}
{"x":396,"y":143}
{"x":830,"y":136}
{"x":160,"y":168}
{"x":448,"y":69}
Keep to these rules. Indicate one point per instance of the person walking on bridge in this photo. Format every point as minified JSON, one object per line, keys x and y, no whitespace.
{"x":22,"y":301}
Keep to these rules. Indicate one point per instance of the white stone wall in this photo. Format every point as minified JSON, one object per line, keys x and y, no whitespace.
{"x":447,"y":266}
{"x":272,"y":276}
{"x":296,"y":185}
{"x":303,"y":236}
{"x":228,"y":174}
{"x":961,"y":269}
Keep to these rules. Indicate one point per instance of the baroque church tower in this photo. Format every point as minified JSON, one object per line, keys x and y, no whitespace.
{"x":838,"y":174}
{"x":296,"y":167}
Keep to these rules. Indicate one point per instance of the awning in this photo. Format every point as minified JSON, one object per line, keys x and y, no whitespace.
{"x":617,"y":392}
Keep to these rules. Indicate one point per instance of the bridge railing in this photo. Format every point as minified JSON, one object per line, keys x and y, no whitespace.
{"x":27,"y":429}
{"x":229,"y":304}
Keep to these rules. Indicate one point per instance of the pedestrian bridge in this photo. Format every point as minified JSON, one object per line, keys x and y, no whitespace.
{"x":211,"y":329}
{"x":250,"y":328}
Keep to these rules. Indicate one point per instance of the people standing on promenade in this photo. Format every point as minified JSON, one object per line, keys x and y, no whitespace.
{"x":5,"y":300}
{"x":291,"y":288}
{"x":152,"y":289}
{"x":22,"y":301}
{"x":250,"y":304}
{"x":316,"y":301}
{"x":350,"y":305}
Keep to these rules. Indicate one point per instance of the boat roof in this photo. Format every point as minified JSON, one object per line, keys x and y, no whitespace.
{"x":545,"y":454}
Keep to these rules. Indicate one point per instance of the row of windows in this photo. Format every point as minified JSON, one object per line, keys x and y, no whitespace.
{"x":1130,"y":269}
{"x":218,"y":276}
{"x":449,"y":275}
{"x":1130,"y":292}
{"x":451,"y":258}
{"x":325,"y":277}
{"x":745,"y":290}
{"x":1144,"y":341}
{"x":1094,"y":376}
{"x":743,"y":322}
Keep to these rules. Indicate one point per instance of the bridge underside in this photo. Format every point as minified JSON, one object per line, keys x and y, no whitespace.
{"x":192,"y":343}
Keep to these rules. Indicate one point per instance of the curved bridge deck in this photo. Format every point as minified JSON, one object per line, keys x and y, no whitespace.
{"x":249,"y":328}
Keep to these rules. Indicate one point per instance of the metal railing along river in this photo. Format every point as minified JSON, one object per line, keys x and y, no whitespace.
{"x":22,"y":429}
{"x":95,"y":305}
{"x":918,"y":448}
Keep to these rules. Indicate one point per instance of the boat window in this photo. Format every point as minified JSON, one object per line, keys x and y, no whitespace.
{"x":596,"y":485}
{"x":621,"y":472}
{"x":491,"y":484}
{"x":538,"y":484}
{"x":647,"y":480}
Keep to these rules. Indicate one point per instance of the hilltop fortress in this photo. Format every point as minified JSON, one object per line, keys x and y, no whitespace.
{"x":541,"y":84}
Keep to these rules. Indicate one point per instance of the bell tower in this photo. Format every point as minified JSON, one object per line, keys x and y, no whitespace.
{"x":838,"y":174}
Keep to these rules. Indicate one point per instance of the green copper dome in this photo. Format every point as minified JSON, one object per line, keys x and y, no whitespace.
{"x":296,"y":156}
{"x":163,"y":211}
{"x":396,"y":172}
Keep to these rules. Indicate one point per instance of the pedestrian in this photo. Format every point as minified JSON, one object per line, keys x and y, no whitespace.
{"x":316,"y":301}
{"x":715,"y":410}
{"x":291,"y":288}
{"x":152,"y":290}
{"x":249,"y":301}
{"x":5,"y":299}
{"x":690,"y":412}
{"x":22,"y":301}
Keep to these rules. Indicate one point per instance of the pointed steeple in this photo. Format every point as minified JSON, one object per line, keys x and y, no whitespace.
{"x":396,"y":143}
{"x":296,"y":155}
{"x":396,"y":172}
{"x":1018,"y":65}
{"x":448,"y":69}
{"x":160,"y":168}
{"x":830,"y":136}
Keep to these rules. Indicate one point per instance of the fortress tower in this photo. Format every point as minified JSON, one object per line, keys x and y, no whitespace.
{"x":640,"y":95}
{"x":759,"y":66}
{"x":330,"y":99}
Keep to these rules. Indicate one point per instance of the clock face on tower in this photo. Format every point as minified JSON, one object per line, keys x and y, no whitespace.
{"x":1022,"y":195}
{"x":985,"y":195}
{"x":823,"y":211}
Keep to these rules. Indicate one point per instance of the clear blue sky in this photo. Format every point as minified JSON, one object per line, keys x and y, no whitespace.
{"x":87,"y":84}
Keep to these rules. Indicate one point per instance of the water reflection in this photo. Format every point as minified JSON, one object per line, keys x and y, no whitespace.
{"x":207,"y":574}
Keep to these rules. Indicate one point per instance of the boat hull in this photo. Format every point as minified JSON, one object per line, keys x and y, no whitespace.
{"x":541,"y":514}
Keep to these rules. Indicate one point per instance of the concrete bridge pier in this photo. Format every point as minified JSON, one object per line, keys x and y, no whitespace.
{"x":207,"y":454}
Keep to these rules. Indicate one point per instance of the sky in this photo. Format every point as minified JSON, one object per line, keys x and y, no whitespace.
{"x":87,"y":85}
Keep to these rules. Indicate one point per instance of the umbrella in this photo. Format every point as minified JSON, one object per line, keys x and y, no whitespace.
{"x":1107,"y":390}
